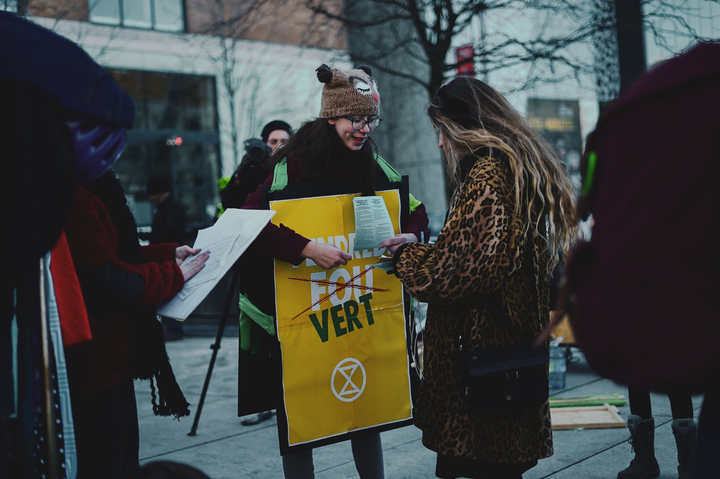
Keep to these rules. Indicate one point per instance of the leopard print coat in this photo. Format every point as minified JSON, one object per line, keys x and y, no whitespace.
{"x":476,"y":282}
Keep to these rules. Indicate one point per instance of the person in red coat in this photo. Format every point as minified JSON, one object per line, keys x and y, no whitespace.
{"x":121,"y":282}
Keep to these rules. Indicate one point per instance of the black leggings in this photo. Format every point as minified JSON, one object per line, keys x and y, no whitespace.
{"x":680,"y":403}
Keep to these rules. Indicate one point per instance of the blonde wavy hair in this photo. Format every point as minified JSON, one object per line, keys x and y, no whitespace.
{"x":471,"y":115}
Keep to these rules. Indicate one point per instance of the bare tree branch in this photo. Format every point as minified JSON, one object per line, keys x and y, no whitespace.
{"x":549,"y":50}
{"x":319,"y":7}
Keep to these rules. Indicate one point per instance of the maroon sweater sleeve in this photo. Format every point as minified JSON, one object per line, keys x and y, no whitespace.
{"x":157,"y":253}
{"x":417,"y":224}
{"x":279,"y":242}
{"x":93,"y":244}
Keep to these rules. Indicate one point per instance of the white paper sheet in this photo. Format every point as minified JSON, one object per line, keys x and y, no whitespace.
{"x":227,"y":240}
{"x":372,"y":222}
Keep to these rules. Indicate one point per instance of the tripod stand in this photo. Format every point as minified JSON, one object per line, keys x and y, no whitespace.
{"x":232,"y":293}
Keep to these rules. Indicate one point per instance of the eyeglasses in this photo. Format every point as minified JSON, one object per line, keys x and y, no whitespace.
{"x":359,"y":123}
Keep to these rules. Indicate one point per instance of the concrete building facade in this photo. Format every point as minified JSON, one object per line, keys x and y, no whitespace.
{"x":213,"y":72}
{"x":205,"y":76}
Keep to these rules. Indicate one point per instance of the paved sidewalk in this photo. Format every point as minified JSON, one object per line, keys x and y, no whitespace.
{"x":224,"y":449}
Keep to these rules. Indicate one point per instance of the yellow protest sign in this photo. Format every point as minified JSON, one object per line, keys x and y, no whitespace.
{"x":341,"y":331}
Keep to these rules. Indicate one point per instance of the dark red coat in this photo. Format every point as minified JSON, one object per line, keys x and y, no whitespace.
{"x":113,"y":290}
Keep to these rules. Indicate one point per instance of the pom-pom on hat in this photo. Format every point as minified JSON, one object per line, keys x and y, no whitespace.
{"x":348,"y":93}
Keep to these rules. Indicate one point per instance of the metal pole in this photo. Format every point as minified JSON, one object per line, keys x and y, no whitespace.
{"x":630,"y":40}
{"x":173,"y":188}
{"x":47,"y":363}
{"x":215,"y":347}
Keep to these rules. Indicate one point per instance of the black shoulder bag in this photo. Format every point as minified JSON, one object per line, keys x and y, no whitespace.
{"x":506,"y":379}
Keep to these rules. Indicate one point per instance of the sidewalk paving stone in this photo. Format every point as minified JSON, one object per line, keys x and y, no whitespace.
{"x":224,"y":449}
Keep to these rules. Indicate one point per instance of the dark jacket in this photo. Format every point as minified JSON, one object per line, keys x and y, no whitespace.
{"x":478,"y":284}
{"x":43,"y":78}
{"x":654,"y":256}
{"x":168,"y":224}
{"x":248,"y":176}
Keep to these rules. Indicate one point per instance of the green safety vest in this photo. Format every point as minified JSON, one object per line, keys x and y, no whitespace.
{"x":248,"y":311}
{"x":280,"y":178}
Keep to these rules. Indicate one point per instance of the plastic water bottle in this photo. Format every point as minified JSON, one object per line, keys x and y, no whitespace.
{"x":558,"y":366}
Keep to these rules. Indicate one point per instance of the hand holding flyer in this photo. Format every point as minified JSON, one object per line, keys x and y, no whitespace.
{"x":372,"y":222}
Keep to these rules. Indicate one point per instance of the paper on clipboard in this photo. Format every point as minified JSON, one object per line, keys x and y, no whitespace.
{"x":227,"y":240}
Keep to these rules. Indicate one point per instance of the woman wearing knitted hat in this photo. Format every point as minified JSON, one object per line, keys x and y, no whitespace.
{"x":335,"y":147}
{"x":486,"y":279}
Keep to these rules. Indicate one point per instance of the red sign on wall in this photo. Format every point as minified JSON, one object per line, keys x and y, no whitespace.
{"x":464,"y":57}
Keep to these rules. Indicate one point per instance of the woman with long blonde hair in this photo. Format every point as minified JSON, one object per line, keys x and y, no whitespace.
{"x":487,"y":277}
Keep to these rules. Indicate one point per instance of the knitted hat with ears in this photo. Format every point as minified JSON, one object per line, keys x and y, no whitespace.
{"x":348,"y":93}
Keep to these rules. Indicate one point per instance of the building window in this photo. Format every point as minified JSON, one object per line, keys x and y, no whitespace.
{"x":171,"y":106}
{"x":8,"y":5}
{"x":165,"y":15}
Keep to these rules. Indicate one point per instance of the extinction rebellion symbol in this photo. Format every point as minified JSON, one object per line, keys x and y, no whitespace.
{"x":350,"y":383}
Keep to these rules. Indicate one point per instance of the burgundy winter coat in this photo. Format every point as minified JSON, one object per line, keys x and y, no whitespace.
{"x":114,"y":290}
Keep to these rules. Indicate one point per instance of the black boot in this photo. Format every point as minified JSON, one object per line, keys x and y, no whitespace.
{"x":685,"y":431}
{"x":642,"y":439}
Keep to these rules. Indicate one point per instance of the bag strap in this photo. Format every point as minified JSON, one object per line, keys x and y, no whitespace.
{"x":530,"y":257}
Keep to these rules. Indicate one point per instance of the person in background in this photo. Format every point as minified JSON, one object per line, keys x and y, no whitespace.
{"x":336,"y":146}
{"x":248,"y":176}
{"x":276,"y":133}
{"x":252,"y":172}
{"x":641,"y":424}
{"x":652,"y":266}
{"x":486,"y":279}
{"x":168,"y":226}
